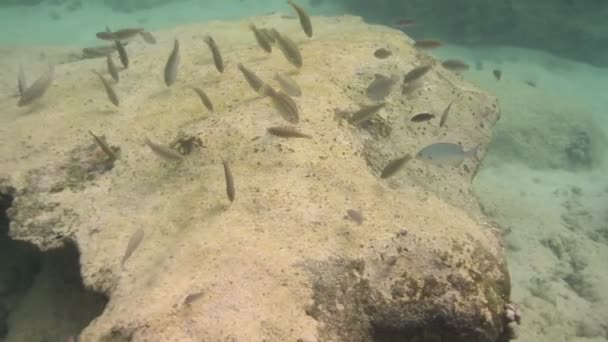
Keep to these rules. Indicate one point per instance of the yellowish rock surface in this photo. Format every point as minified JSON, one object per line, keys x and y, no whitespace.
{"x":281,"y":263}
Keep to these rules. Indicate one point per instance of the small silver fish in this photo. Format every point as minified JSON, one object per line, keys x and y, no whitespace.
{"x":163,"y":151}
{"x":109,"y":89}
{"x":422,"y":117}
{"x":455,"y":65}
{"x":104,"y":146}
{"x":444,"y":116}
{"x":287,"y":132}
{"x":172,"y":65}
{"x":37,"y":89}
{"x":21,"y":81}
{"x":304,"y":18}
{"x":230,"y":190}
{"x":284,"y":104}
{"x":112,"y":70}
{"x":416,"y":73}
{"x":355,"y":215}
{"x":122,"y":34}
{"x":191,"y":298}
{"x":288,"y":85}
{"x":382,"y":53}
{"x":393,"y":166}
{"x":268,"y":34}
{"x":365,"y":113}
{"x":288,"y":48}
{"x":147,"y":37}
{"x":215,"y":51}
{"x":98,"y":51}
{"x":445,"y":154}
{"x":261,"y":38}
{"x":122,"y":53}
{"x":132,"y":245}
{"x":252,"y":79}
{"x":204,"y":98}
{"x":381,"y":87}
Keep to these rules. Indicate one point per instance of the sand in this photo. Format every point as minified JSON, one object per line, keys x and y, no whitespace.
{"x":555,"y":220}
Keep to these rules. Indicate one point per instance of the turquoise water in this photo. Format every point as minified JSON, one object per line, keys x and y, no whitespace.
{"x":544,"y":180}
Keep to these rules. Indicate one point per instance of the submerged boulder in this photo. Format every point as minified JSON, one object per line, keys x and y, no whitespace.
{"x":316,"y":246}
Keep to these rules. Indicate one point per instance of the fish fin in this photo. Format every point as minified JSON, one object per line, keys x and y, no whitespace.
{"x":472,"y":152}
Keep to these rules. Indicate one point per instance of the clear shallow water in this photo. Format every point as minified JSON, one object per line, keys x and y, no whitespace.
{"x":531,"y":202}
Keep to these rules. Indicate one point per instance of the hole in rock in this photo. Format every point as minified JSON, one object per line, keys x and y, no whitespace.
{"x":42,"y":297}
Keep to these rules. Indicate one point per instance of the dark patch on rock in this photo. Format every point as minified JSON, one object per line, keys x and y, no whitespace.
{"x":54,"y":273}
{"x":341,"y":300}
{"x":350,"y":308}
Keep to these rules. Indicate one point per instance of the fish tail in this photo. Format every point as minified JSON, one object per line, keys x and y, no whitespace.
{"x":472,"y":153}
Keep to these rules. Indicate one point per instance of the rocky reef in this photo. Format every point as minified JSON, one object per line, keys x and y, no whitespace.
{"x":284,"y":261}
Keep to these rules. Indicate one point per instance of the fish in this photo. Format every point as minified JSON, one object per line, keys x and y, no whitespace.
{"x":191,"y":298}
{"x":427,"y":43}
{"x":304,"y":18}
{"x":288,"y":48}
{"x":121,"y":34}
{"x":268,"y":34}
{"x":381,"y":87}
{"x":382,"y":53}
{"x":104,"y":146}
{"x":395,"y":165}
{"x":261,"y":38}
{"x":112,"y":68}
{"x":21,"y":81}
{"x":287,"y":132}
{"x":122,"y":53}
{"x":530,"y":83}
{"x":288,"y":85}
{"x":98,"y":51}
{"x":455,"y":65}
{"x":35,"y":91}
{"x":422,"y":117}
{"x":171,"y":67}
{"x":444,"y":116}
{"x":252,"y":79}
{"x":204,"y":98}
{"x":163,"y":151}
{"x":230,"y":190}
{"x":445,"y":154}
{"x":147,"y":37}
{"x":132,"y":245}
{"x":365,"y":113}
{"x":284,"y":104}
{"x":416,"y":73}
{"x":355,"y":215}
{"x":497,"y":74}
{"x":403,"y":22}
{"x":109,"y":89}
{"x":215,"y":51}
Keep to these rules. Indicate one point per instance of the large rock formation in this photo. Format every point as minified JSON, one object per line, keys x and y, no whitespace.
{"x":283,"y":262}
